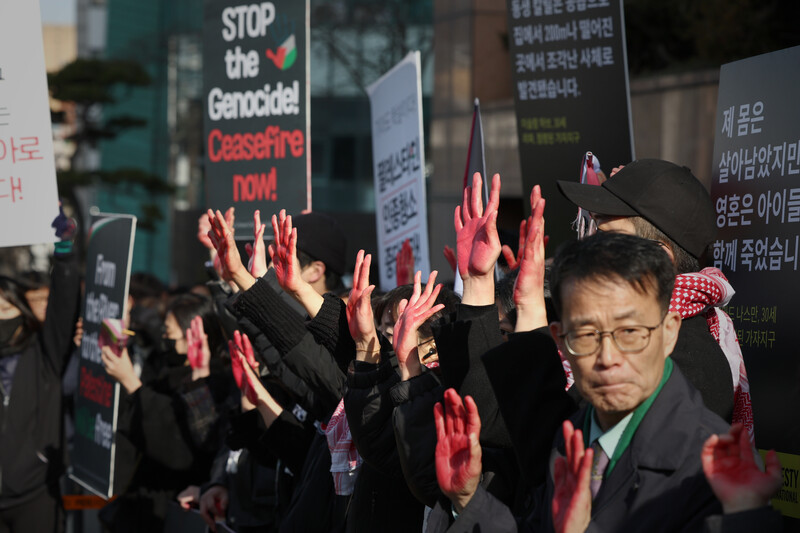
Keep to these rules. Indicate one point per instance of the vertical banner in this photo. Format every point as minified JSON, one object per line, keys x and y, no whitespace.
{"x":399,"y":159}
{"x":569,"y":71}
{"x":28,"y":191}
{"x":756,"y":192}
{"x":255,"y":78}
{"x":108,"y":270}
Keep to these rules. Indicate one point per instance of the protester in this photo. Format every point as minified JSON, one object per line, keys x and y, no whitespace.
{"x":644,"y":425}
{"x":33,"y":358}
{"x":664,"y":202}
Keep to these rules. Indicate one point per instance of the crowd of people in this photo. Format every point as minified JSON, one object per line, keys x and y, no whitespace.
{"x":599,"y":390}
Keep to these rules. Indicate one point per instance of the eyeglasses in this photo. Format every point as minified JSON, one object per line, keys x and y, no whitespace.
{"x":628,"y":339}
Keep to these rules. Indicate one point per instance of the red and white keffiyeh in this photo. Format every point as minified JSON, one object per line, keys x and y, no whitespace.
{"x":704,"y":293}
{"x":345,"y":460}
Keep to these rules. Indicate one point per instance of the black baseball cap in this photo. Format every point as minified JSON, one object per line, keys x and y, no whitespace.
{"x":667,"y":195}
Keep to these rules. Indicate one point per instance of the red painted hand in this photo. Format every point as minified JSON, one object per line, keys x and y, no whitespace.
{"x":458,"y":450}
{"x":529,"y":286}
{"x":203,"y":227}
{"x":198,"y":354}
{"x":240,"y":345}
{"x":734,"y":476}
{"x":404,"y":262}
{"x":478,"y":245}
{"x":412,"y":314}
{"x":572,"y":498}
{"x":257,"y":266}
{"x":221,"y":235}
{"x":360,"y":318}
{"x":284,"y":253}
{"x":508,"y":253}
{"x":450,"y":255}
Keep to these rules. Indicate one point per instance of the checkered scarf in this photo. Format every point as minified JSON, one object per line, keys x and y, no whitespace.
{"x":704,"y":293}
{"x":345,"y":459}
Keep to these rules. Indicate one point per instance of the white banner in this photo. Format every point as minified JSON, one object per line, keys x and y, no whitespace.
{"x":399,"y":159}
{"x":28,"y":192}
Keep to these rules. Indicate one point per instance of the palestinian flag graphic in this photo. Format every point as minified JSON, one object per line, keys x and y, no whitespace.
{"x":286,"y":54}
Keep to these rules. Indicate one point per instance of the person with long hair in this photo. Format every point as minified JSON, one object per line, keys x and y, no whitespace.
{"x":33,"y":357}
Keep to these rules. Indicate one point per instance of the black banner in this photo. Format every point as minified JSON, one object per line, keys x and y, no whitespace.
{"x":255,"y":72}
{"x":108,"y":261}
{"x":756,"y":192}
{"x":570,"y":81}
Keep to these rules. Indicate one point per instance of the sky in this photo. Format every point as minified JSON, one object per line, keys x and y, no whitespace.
{"x":58,"y":11}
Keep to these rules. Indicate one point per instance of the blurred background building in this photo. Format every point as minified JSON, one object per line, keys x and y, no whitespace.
{"x":674,"y":53}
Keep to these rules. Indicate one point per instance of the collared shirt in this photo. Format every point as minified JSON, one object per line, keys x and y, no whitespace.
{"x":608,"y":440}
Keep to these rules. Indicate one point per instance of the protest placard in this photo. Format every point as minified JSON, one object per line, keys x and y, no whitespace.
{"x":757,"y":201}
{"x":255,"y":77}
{"x":28,"y":191}
{"x":108,"y":270}
{"x":571,"y":95}
{"x":398,"y":157}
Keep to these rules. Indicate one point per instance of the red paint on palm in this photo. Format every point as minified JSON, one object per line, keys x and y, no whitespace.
{"x":572,"y":498}
{"x":197,"y":344}
{"x":360,"y":319}
{"x":529,"y":286}
{"x":251,"y":383}
{"x":477,"y":243}
{"x":404,"y":264}
{"x":284,"y":252}
{"x":458,"y":453}
{"x":412,"y":313}
{"x":450,"y":256}
{"x":736,"y":479}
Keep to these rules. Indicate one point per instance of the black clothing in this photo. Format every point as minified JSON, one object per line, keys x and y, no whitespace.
{"x":704,"y":364}
{"x":657,"y":485}
{"x":31,"y":453}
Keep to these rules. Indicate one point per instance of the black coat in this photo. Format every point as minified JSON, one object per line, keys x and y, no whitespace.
{"x":657,"y":485}
{"x":705,"y":366}
{"x":31,"y":454}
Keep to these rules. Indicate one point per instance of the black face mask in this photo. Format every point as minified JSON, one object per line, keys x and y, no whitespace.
{"x":8,"y":328}
{"x":171,"y":357}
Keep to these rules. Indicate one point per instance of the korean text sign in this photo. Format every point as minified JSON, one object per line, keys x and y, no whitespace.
{"x":755,"y":188}
{"x":28,"y":191}
{"x":255,"y":77}
{"x":399,"y":165}
{"x":570,"y":81}
{"x":108,"y":261}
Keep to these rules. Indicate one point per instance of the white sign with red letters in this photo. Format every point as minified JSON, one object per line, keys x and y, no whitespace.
{"x":28,"y":191}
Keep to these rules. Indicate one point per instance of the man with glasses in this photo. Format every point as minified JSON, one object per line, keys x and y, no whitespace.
{"x":644,"y":422}
{"x":663,"y":202}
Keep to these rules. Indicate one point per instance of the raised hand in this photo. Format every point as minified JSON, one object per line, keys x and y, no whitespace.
{"x":458,"y":450}
{"x":257,"y":266}
{"x":572,"y":497}
{"x":450,"y":255}
{"x":529,"y":286}
{"x":230,"y":262}
{"x":198,"y":352}
{"x":734,"y":476}
{"x":476,"y":230}
{"x":616,"y":169}
{"x":284,"y":253}
{"x":120,"y":368}
{"x":508,"y":253}
{"x":287,"y":268}
{"x":404,"y":264}
{"x":242,"y":355}
{"x":412,"y":313}
{"x":359,"y":312}
{"x":203,"y":227}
